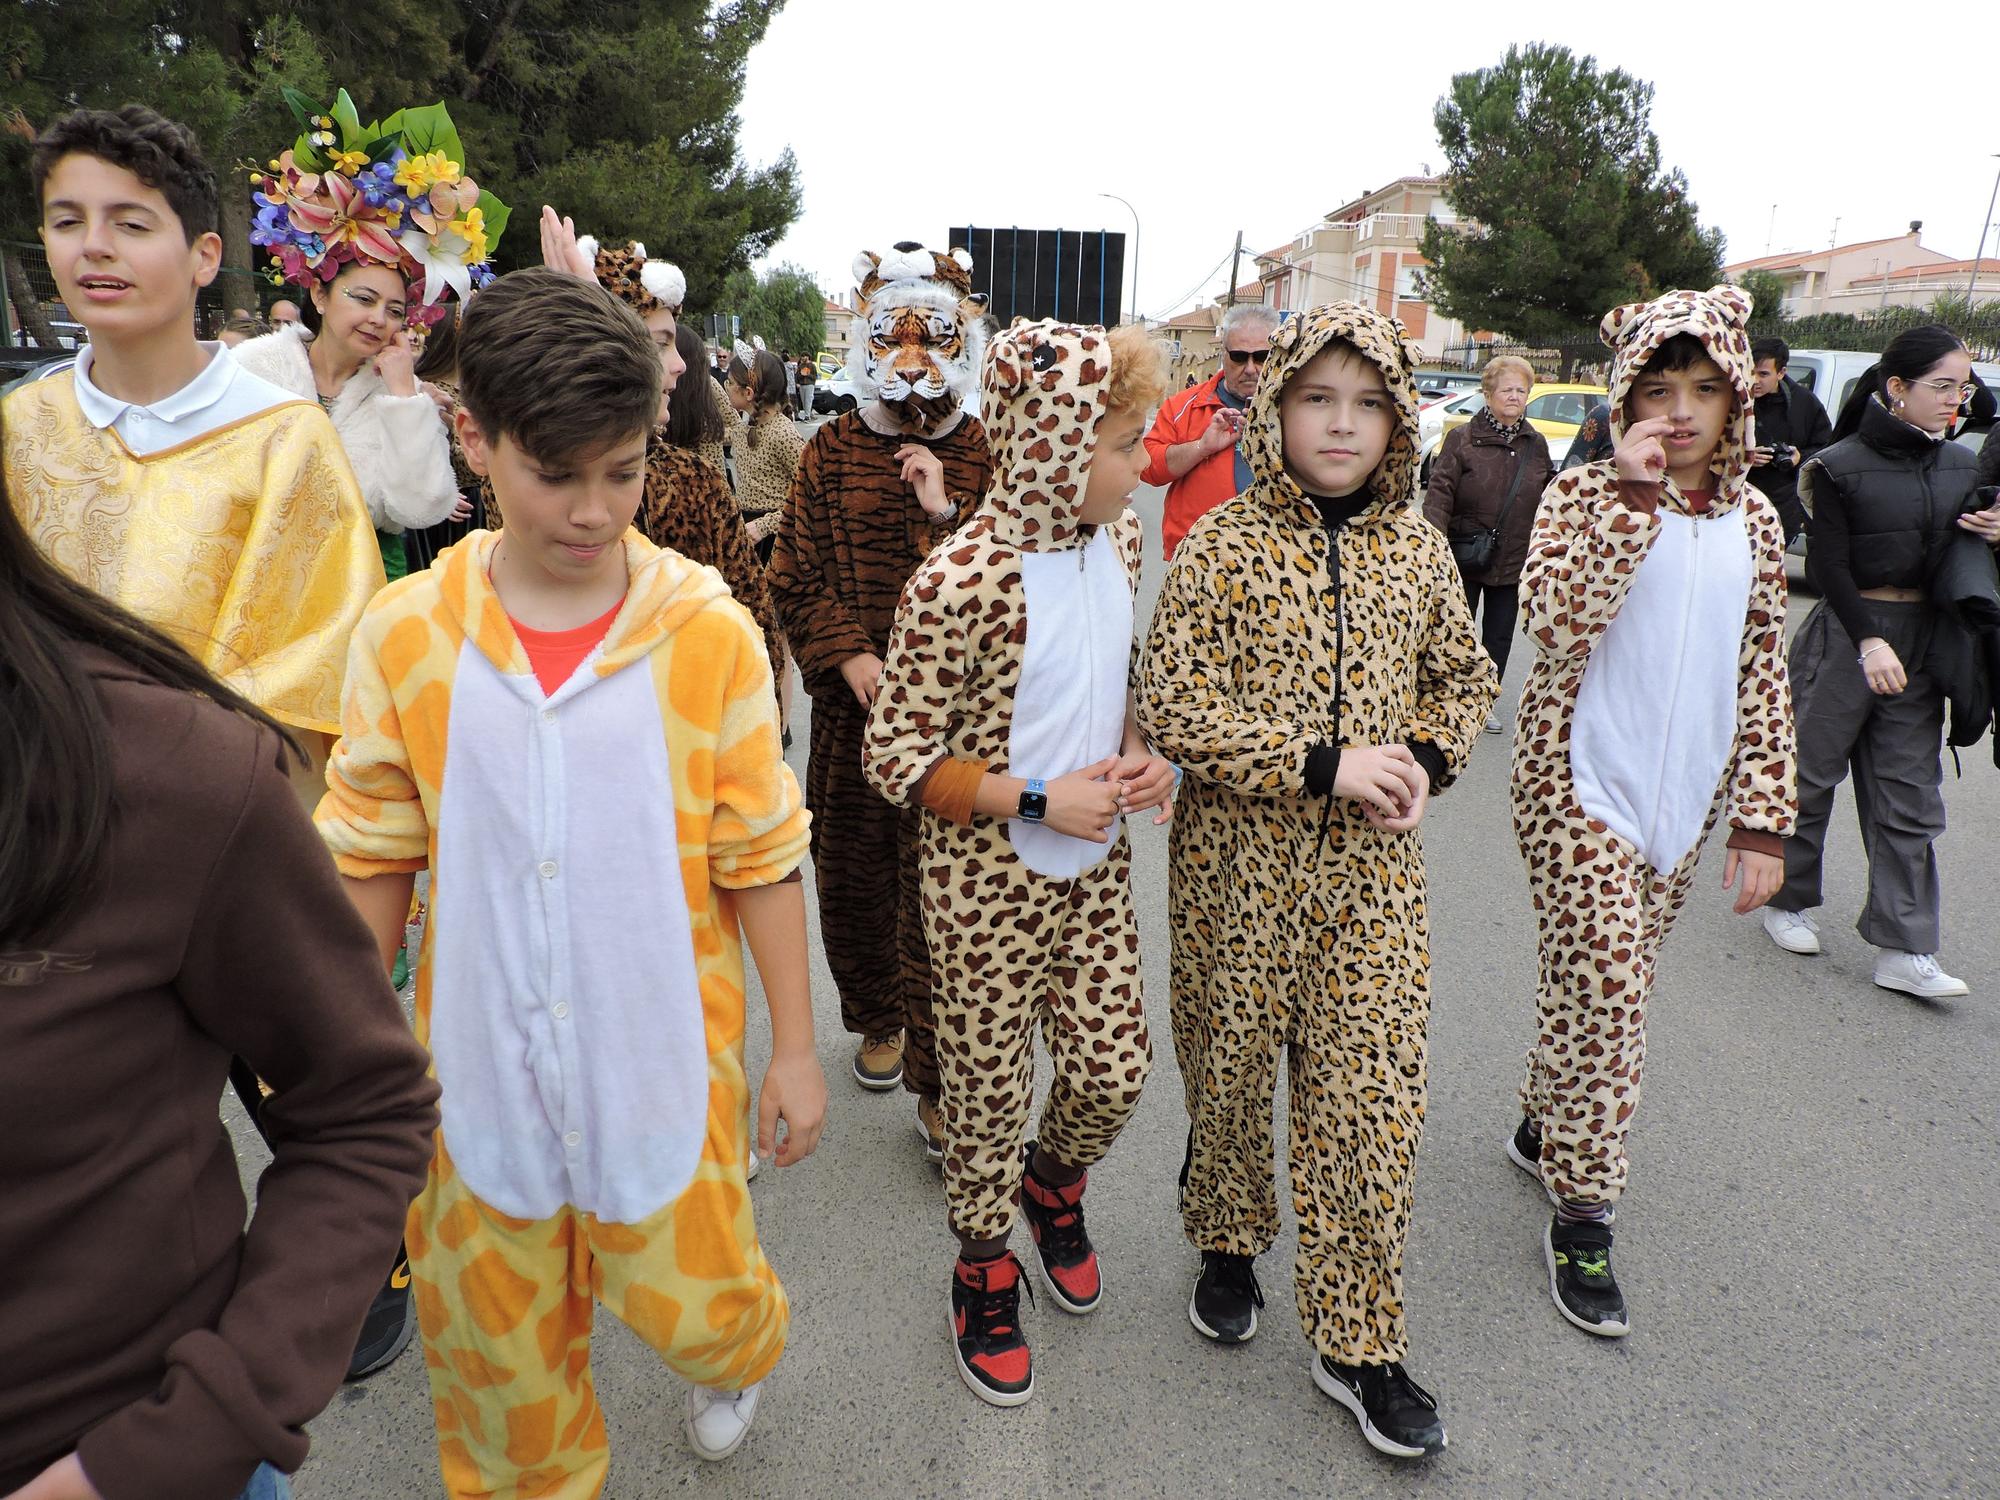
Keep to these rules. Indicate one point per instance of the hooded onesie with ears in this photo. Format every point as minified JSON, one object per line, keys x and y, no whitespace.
{"x":1658,"y":701}
{"x":1012,"y":651}
{"x":1299,"y":928}
{"x":851,"y":535}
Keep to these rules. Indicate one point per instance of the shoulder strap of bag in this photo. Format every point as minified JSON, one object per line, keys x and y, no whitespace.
{"x":1513,"y":487}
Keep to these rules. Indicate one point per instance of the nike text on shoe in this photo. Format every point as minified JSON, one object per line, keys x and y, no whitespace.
{"x":1793,"y":931}
{"x":987,"y":1341}
{"x":1580,"y":1279}
{"x":878,"y":1062}
{"x":1916,"y":974}
{"x":718,"y":1421}
{"x":1062,"y":1245}
{"x":1226,"y":1298}
{"x":1397,"y":1416}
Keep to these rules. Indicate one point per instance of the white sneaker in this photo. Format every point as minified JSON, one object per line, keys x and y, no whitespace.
{"x":1793,"y":931}
{"x":1915,"y":974}
{"x":756,"y":1165}
{"x":718,"y":1421}
{"x":1494,"y":726}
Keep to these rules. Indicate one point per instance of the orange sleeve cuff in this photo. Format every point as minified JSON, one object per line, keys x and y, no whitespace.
{"x":952,"y":787}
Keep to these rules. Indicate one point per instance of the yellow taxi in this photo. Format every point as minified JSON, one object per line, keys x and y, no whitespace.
{"x":1555,"y":411}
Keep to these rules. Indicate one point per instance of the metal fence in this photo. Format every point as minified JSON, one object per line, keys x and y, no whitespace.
{"x":33,"y":314}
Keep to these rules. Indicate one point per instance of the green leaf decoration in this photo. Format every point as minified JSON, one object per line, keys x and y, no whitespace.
{"x":303,"y":109}
{"x":496,"y":214}
{"x":347,"y":118}
{"x":429,"y":128}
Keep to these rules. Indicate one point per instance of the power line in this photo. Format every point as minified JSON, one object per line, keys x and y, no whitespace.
{"x":1207,"y":277}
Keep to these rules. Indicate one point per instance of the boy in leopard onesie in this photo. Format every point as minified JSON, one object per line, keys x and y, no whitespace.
{"x":876,"y":489}
{"x":1655,"y":596}
{"x":1005,"y":715}
{"x":1312,"y":667}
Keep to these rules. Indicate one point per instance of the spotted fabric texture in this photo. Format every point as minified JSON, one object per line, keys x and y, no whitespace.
{"x":1271,"y":635}
{"x":1602,"y":911}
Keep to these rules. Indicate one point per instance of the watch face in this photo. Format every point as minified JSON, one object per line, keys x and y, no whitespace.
{"x":1034,"y":806}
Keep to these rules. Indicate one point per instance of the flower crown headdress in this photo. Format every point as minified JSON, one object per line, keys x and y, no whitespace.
{"x":394,"y":193}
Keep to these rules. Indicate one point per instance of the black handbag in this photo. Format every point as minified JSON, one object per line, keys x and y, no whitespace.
{"x":1474,"y":551}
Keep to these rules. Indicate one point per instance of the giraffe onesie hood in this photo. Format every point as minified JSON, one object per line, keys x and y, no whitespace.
{"x":580,"y":988}
{"x":1012,"y":650}
{"x":1276,"y":632}
{"x":1658,"y":702}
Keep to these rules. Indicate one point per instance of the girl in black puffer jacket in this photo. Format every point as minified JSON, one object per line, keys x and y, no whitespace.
{"x":1884,"y":503}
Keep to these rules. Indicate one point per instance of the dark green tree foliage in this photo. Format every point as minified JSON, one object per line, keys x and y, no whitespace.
{"x":620,"y":112}
{"x":1556,"y":165}
{"x":784,"y":307}
{"x":1766,"y":290}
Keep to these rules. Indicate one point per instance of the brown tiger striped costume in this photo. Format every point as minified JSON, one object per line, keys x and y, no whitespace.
{"x":851,"y":536}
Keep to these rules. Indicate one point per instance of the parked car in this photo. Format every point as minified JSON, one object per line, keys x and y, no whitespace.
{"x":1431,"y":417}
{"x":1447,"y":382}
{"x":1554,"y":410}
{"x":18,"y":366}
{"x":835,"y":393}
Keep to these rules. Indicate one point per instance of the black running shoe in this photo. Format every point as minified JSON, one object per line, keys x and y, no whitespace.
{"x":1524,"y":1148}
{"x":1580,"y":1278}
{"x":1226,"y":1297}
{"x":1397,"y":1416}
{"x":391,"y":1320}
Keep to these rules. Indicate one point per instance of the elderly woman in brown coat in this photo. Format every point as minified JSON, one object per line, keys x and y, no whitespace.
{"x":1485,"y":484}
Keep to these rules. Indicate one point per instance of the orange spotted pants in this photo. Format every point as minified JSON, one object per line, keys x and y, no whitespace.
{"x":505,"y":1306}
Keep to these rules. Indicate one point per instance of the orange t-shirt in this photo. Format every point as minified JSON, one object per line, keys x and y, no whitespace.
{"x":556,"y":654}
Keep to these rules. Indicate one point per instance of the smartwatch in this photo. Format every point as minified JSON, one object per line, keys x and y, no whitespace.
{"x":1034,"y":802}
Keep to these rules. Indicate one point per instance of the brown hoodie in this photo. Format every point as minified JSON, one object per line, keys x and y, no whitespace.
{"x":141,"y":1325}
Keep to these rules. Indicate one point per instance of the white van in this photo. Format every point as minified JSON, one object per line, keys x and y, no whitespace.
{"x":1830,"y":374}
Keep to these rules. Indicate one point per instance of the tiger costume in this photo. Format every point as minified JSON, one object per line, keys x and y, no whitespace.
{"x":851,"y":535}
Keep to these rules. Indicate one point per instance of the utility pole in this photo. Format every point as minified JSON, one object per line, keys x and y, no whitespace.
{"x":1233,"y":259}
{"x":1771,"y":229}
{"x":1984,"y":225}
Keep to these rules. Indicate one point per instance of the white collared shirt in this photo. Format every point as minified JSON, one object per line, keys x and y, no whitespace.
{"x":222,"y":393}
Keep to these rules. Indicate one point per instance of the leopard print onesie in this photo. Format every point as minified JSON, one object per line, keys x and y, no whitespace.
{"x":1009,"y":654}
{"x":1292,"y":935}
{"x":1658,"y":701}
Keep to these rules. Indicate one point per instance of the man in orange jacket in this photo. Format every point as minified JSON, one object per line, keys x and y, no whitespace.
{"x":1192,"y":445}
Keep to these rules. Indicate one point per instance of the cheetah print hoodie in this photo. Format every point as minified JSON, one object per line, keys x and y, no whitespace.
{"x":955,"y":671}
{"x":1659,"y":681}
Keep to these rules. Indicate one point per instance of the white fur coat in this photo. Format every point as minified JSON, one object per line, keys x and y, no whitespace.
{"x":398,"y":445}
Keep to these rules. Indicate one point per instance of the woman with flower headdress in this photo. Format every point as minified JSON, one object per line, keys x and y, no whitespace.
{"x":375,"y":223}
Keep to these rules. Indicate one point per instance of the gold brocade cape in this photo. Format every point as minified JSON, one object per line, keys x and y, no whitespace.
{"x":250,"y":545}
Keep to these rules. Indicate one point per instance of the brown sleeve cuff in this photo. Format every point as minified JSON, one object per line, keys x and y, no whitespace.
{"x":950,"y":788}
{"x":1754,"y":841}
{"x":1639,"y":494}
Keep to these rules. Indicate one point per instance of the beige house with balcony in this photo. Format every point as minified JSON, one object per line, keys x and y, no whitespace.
{"x":1368,"y":250}
{"x":1858,"y":278}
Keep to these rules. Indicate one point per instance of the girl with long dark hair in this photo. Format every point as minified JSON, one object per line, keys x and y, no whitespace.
{"x":1885,"y":499}
{"x":701,"y":421}
{"x":165,"y":905}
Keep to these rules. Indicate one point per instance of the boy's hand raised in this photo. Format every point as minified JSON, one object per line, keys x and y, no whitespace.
{"x":795,"y":1092}
{"x":559,"y":248}
{"x":1084,"y":804}
{"x":1642,"y":456}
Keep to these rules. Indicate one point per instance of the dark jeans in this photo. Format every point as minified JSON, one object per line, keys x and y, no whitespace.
{"x":1496,"y":626}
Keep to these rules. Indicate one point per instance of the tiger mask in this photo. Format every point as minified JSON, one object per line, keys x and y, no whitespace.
{"x":919,"y":356}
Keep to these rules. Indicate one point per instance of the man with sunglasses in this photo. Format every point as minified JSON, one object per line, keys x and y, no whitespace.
{"x":1192,"y":446}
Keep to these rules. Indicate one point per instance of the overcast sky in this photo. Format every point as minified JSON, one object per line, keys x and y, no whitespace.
{"x":907,"y":120}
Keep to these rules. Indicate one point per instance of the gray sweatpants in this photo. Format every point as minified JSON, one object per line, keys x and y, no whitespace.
{"x":1892,"y":742}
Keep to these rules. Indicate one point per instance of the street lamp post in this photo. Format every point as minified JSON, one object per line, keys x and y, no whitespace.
{"x":1984,"y":224}
{"x":1135,"y":251}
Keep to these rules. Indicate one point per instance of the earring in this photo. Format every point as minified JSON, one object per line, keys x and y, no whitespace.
{"x":1899,"y":404}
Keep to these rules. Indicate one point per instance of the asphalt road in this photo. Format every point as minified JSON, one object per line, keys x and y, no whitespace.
{"x":1808,"y":1247}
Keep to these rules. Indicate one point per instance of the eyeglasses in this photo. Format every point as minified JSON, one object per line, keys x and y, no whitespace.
{"x":1944,"y":387}
{"x":1242,"y":356}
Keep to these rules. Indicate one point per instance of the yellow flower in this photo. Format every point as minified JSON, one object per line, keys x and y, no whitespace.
{"x":350,"y":163}
{"x":419,"y":174}
{"x":472,"y":229}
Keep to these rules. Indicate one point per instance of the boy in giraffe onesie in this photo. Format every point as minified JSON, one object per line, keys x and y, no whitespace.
{"x":1005,"y":714}
{"x":575,"y":732}
{"x":1312,"y":667}
{"x":1655,"y":596}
